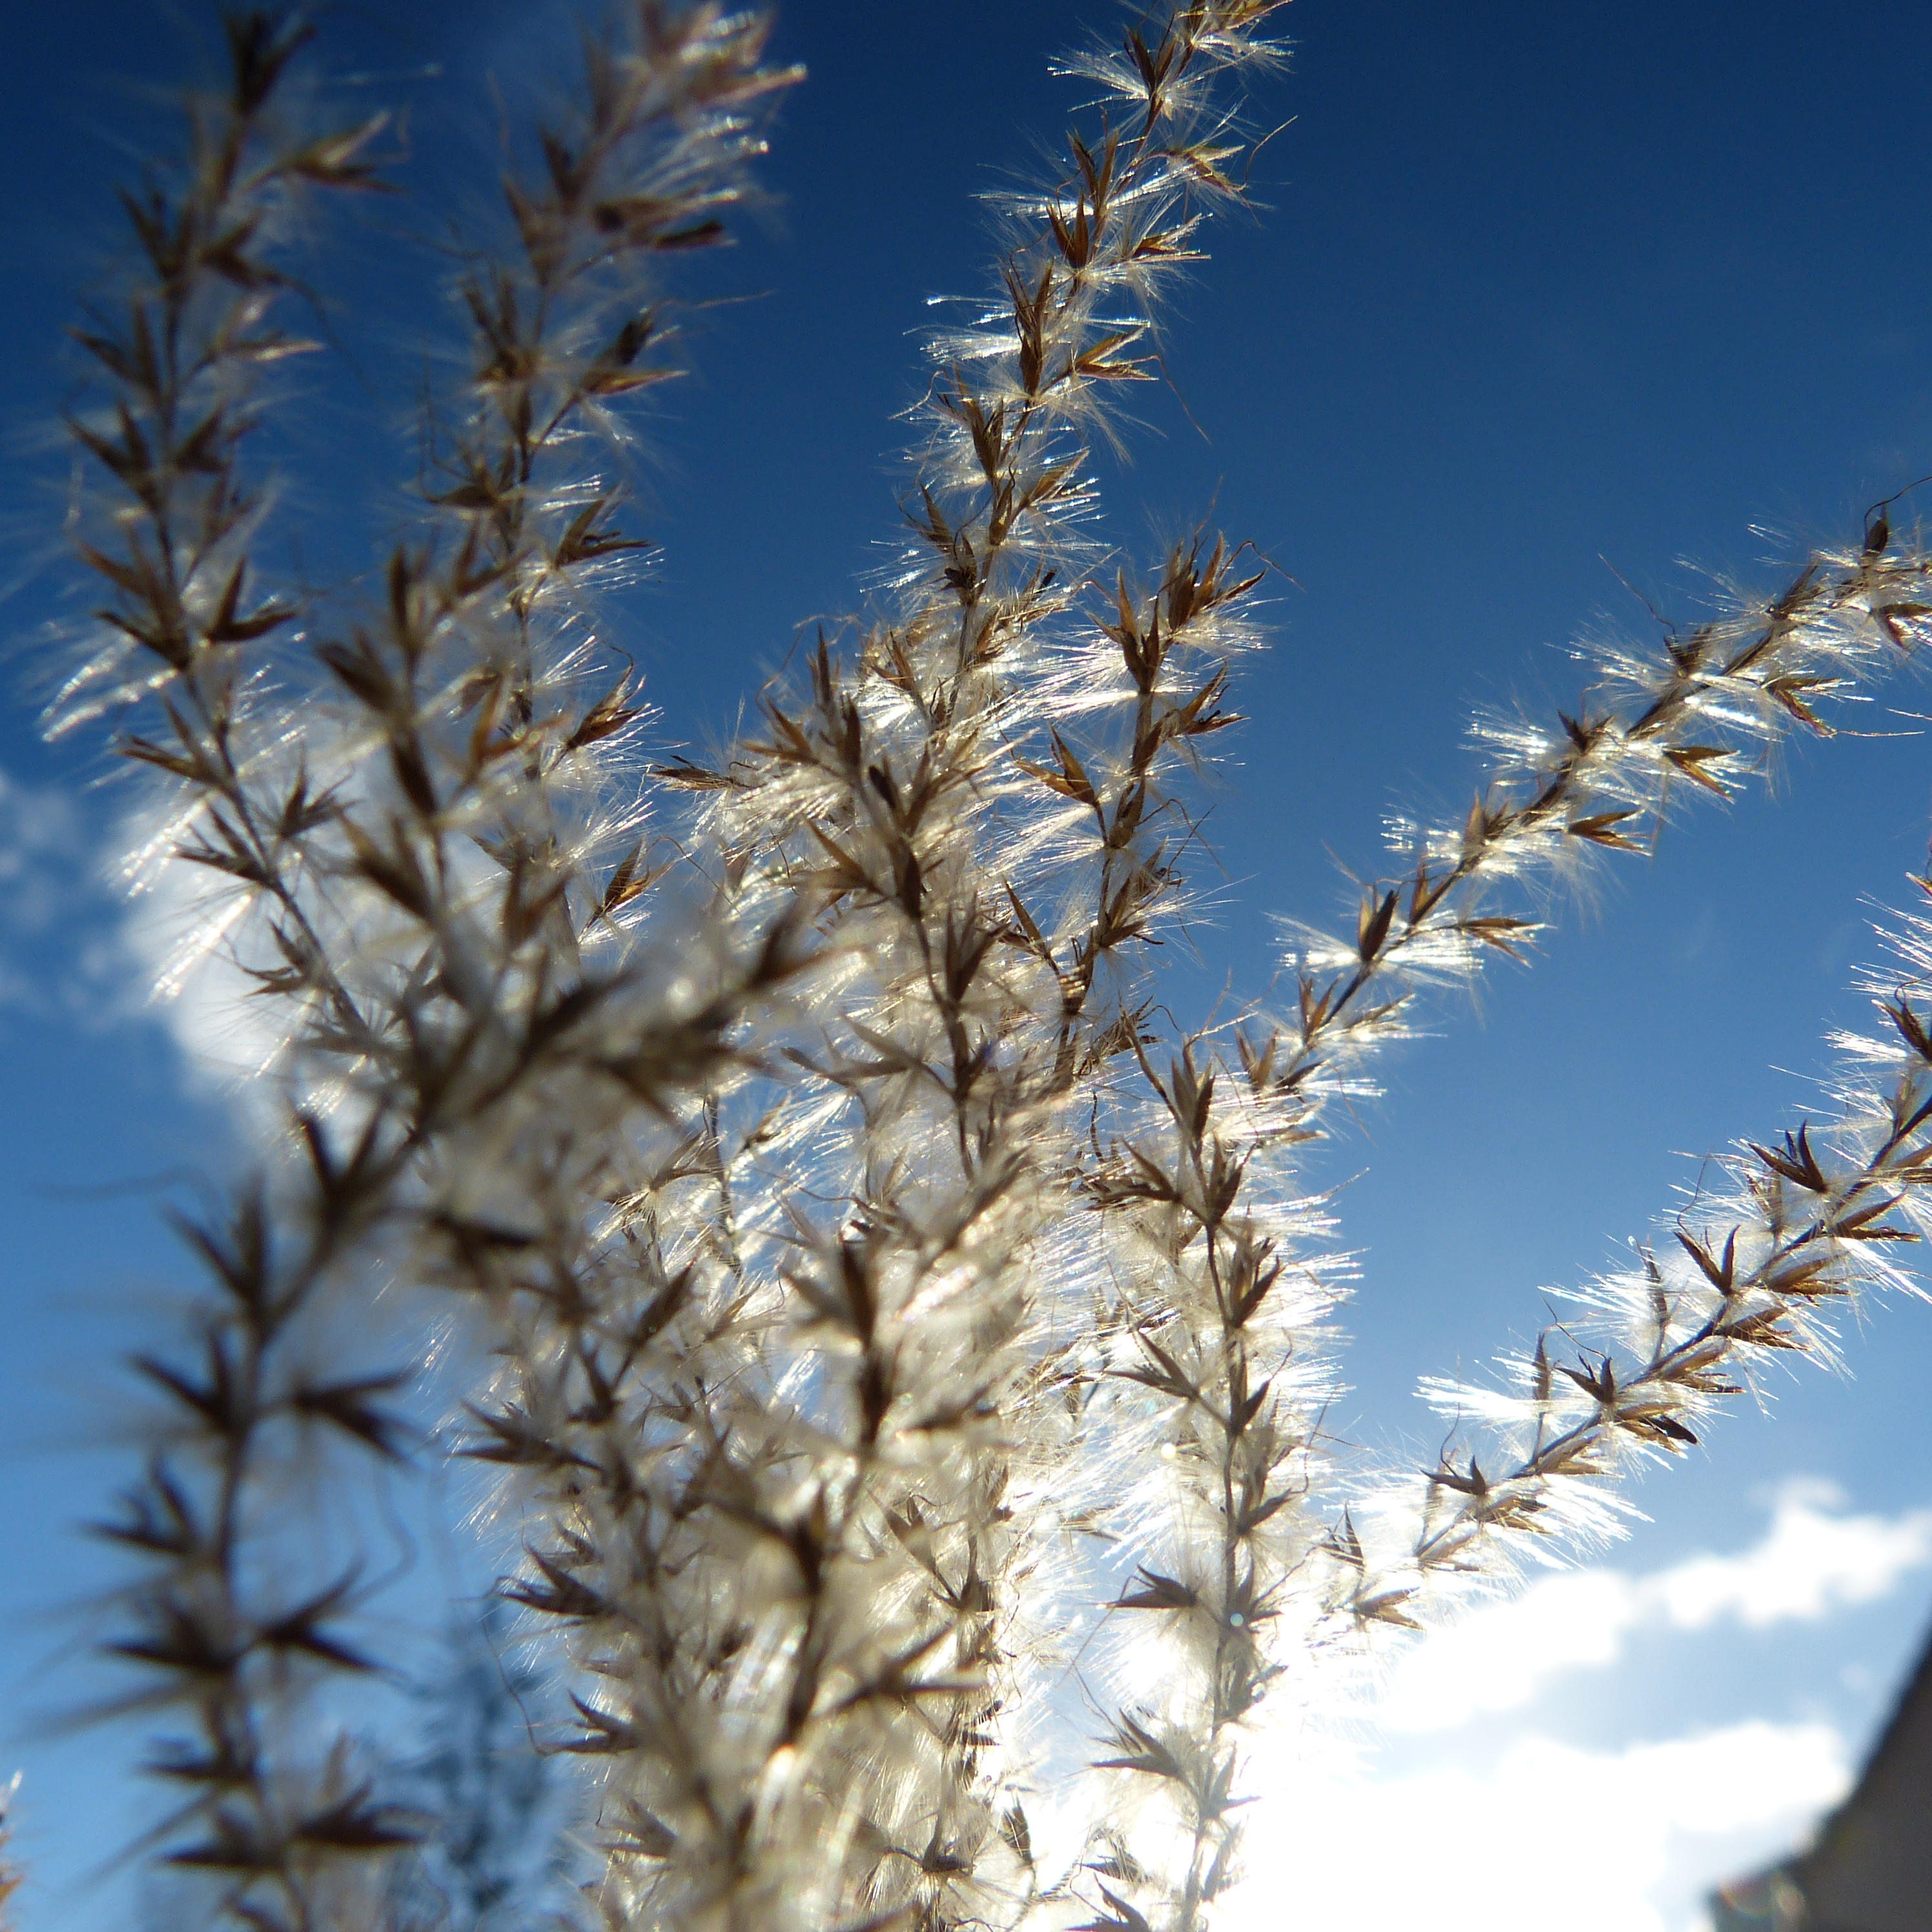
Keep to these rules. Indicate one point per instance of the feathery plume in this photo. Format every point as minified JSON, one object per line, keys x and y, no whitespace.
{"x":881,"y":1298}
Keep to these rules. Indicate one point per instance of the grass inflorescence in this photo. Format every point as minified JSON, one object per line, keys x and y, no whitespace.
{"x":883,"y":1306}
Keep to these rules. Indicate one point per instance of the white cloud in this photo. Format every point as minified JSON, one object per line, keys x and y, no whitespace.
{"x":1813,"y":1560}
{"x":1498,"y":1655}
{"x":67,"y":946}
{"x":45,"y":883}
{"x":1549,"y":1835}
{"x":40,"y":839}
{"x":1811,"y":1563}
{"x":172,"y":950}
{"x":1536,"y":1831}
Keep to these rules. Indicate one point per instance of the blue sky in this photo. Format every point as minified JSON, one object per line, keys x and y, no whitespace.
{"x":1537,"y":299}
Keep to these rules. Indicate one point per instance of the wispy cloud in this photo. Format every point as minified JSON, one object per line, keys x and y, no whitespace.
{"x":1479,"y":1834}
{"x":1592,"y":1840}
{"x":46,"y":886}
{"x":1813,"y":1559}
{"x":41,"y":838}
{"x":171,"y":945}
